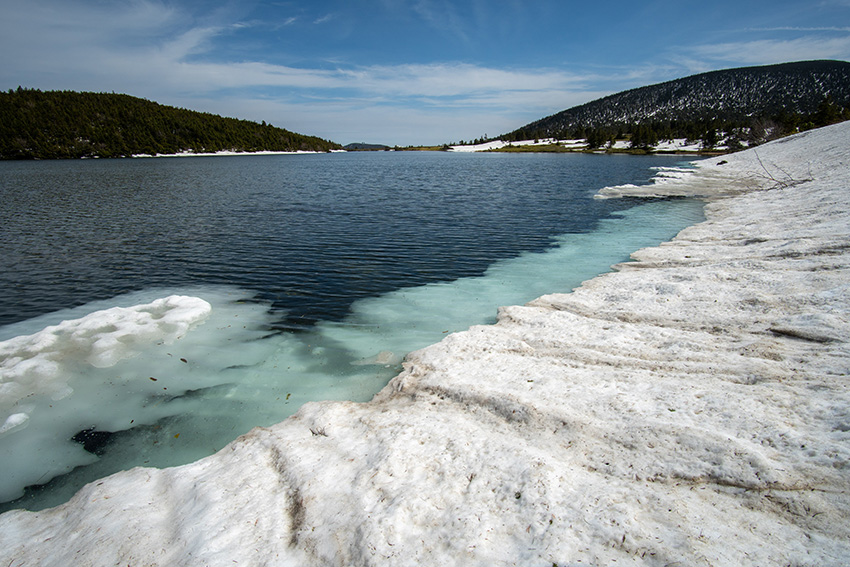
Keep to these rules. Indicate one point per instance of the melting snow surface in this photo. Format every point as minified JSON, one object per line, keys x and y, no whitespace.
{"x":39,"y":371}
{"x":690,"y":409}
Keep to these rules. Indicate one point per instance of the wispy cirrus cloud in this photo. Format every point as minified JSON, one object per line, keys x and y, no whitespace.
{"x":172,"y":58}
{"x":456,"y":79}
{"x":801,"y":29}
{"x":325,"y":19}
{"x":442,"y":15}
{"x":436,"y":102}
{"x":766,"y":51}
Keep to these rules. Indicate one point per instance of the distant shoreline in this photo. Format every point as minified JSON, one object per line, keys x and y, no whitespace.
{"x":226,"y":153}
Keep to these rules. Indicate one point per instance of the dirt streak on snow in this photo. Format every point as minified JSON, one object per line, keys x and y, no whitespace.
{"x":691,"y":408}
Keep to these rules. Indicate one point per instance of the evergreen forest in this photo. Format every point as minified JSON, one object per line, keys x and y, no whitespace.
{"x":66,"y":124}
{"x":745,"y":106}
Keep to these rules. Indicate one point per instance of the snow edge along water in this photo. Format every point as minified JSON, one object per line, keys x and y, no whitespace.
{"x":177,"y":397}
{"x":688,"y":408}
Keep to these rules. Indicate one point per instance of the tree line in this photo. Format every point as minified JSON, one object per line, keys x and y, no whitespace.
{"x":736,"y":133}
{"x":67,"y":124}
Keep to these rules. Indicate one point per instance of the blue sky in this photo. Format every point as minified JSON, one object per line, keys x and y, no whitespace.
{"x":394,"y":71}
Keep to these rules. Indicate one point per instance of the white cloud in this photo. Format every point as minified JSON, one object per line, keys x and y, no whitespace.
{"x":194,"y":41}
{"x":442,"y":15}
{"x":170,"y":68}
{"x":57,"y":25}
{"x":57,"y":41}
{"x":455,"y":79}
{"x":767,"y":51}
{"x":324,"y":19}
{"x":395,"y":105}
{"x":802,"y":29}
{"x":347,"y":120}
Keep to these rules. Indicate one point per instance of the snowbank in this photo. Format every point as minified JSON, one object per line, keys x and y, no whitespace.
{"x":691,"y":408}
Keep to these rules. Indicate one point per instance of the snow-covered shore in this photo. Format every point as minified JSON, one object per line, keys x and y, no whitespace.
{"x":678,"y":145}
{"x":228,"y":153}
{"x":691,"y":408}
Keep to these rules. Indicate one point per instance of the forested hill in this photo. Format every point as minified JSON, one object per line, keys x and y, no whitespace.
{"x":784,"y":95}
{"x":65,"y":124}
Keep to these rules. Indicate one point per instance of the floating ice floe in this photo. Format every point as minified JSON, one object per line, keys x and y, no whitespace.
{"x":39,"y":373}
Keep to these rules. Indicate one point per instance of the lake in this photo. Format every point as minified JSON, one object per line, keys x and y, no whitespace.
{"x":322,"y":271}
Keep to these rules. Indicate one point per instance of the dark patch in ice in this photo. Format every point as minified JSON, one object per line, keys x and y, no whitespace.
{"x":93,"y":441}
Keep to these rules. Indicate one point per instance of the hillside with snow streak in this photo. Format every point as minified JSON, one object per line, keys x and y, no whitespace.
{"x":690,"y":408}
{"x":742,"y":95}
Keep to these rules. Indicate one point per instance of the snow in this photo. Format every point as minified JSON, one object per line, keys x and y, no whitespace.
{"x":676,"y":145}
{"x":690,"y":408}
{"x":498,"y":144}
{"x":494,"y":145}
{"x":189,"y":153}
{"x":40,"y":370}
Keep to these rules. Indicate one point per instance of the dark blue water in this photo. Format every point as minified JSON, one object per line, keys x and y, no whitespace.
{"x":311,"y":233}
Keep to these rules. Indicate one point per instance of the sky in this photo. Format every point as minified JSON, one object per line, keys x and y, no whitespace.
{"x":399,"y":72}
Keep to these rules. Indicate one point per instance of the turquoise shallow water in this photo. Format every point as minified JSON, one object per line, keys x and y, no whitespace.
{"x":334,"y":267}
